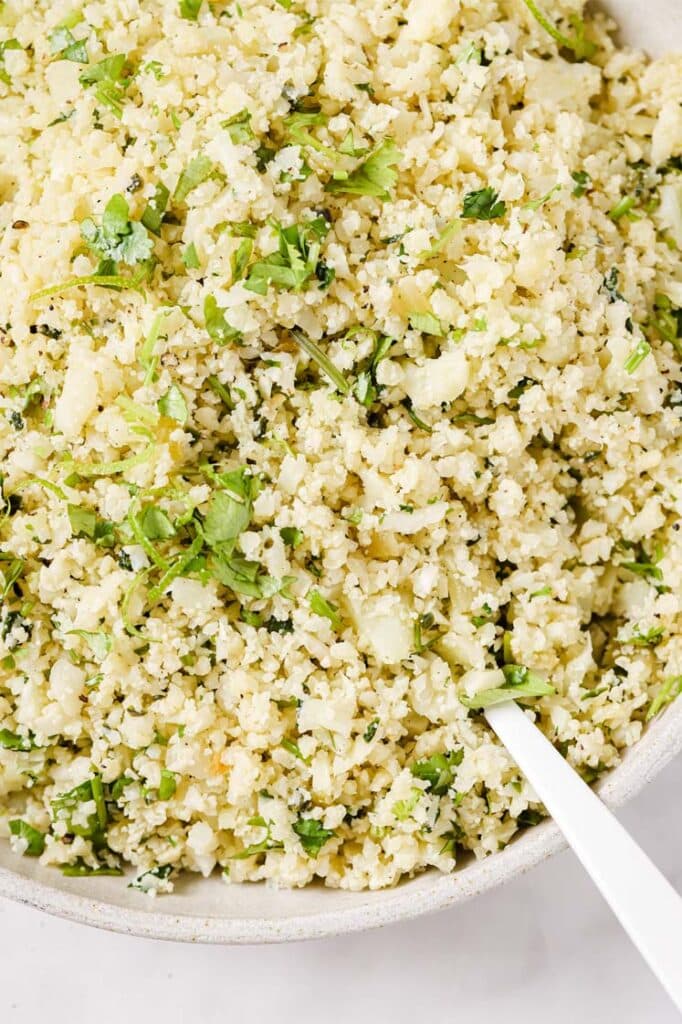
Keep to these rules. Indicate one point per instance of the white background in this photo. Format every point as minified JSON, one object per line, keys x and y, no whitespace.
{"x":542,"y":950}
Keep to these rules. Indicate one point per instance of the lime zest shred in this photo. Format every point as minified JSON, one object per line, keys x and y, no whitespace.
{"x":89,"y":469}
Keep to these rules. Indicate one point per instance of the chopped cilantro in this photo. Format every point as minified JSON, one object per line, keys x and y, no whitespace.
{"x":7,"y":44}
{"x":168,"y":784}
{"x":292,"y":536}
{"x":483,"y":205}
{"x":669,"y":691}
{"x":424,"y":625}
{"x":33,"y":839}
{"x":189,"y":9}
{"x":190,"y":257}
{"x":64,"y":45}
{"x":402,"y":809}
{"x":416,"y":419}
{"x":519,"y":682}
{"x":64,"y":809}
{"x":321,"y":606}
{"x":637,"y":356}
{"x":240,"y":258}
{"x":118,"y":240}
{"x":195,"y":173}
{"x":148,"y":880}
{"x":225,"y":518}
{"x":82,"y":870}
{"x":86,"y":523}
{"x":219,"y":330}
{"x":376,"y":176}
{"x":367,"y":388}
{"x":427,"y":323}
{"x":371,"y":730}
{"x":152,"y":218}
{"x":582,"y":47}
{"x":13,"y":741}
{"x":110,"y":79}
{"x":667,"y":319}
{"x":582,"y":182}
{"x":312,"y":835}
{"x":323,"y":361}
{"x":173,"y":405}
{"x":155,"y":524}
{"x":438,"y":770}
{"x":100,"y":643}
{"x":239,"y":127}
{"x":296,"y":260}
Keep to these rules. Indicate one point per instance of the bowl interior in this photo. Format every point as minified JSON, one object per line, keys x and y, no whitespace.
{"x":211,"y":911}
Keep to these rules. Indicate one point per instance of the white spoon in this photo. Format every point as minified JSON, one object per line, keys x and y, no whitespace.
{"x":644,"y":902}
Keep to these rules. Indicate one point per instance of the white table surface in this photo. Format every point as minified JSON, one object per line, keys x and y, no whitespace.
{"x":542,"y":950}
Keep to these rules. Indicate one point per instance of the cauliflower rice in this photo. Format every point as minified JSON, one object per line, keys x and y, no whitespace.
{"x":340,"y":384}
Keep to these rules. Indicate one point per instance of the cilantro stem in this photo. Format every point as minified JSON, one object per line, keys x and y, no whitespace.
{"x":175,"y":570}
{"x":144,"y":542}
{"x":582,"y":48}
{"x":104,"y":280}
{"x":325,"y":364}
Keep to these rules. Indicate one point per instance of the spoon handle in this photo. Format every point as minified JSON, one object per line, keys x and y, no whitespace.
{"x":645,"y":903}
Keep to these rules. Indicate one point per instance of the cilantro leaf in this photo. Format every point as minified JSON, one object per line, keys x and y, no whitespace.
{"x":667,"y":319}
{"x":34,"y":840}
{"x":189,"y":9}
{"x":195,"y":173}
{"x":100,"y":643}
{"x":86,"y":523}
{"x":168,"y":784}
{"x":190,"y":257}
{"x":367,"y":388}
{"x":376,"y":176}
{"x":321,"y":606}
{"x":239,"y":127}
{"x":427,"y":323}
{"x":296,"y":260}
{"x":312,"y":835}
{"x":292,"y":536}
{"x":582,"y":182}
{"x":152,"y":218}
{"x":118,"y":239}
{"x":219,"y":330}
{"x":110,"y":81}
{"x":173,"y":405}
{"x":64,"y":44}
{"x":7,"y":44}
{"x":65,"y":806}
{"x":155,"y":524}
{"x":519,"y":682}
{"x":13,"y":741}
{"x":438,"y":770}
{"x":225,"y":518}
{"x":484,"y":204}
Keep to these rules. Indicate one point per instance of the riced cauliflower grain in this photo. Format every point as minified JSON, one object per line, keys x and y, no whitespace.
{"x":339,"y":393}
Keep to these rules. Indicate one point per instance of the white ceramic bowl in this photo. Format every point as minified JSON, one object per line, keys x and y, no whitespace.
{"x":210,"y":911}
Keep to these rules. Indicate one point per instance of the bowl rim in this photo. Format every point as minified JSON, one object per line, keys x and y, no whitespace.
{"x":661,"y":741}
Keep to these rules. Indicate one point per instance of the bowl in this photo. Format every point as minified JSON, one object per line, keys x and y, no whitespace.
{"x":207,"y":910}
